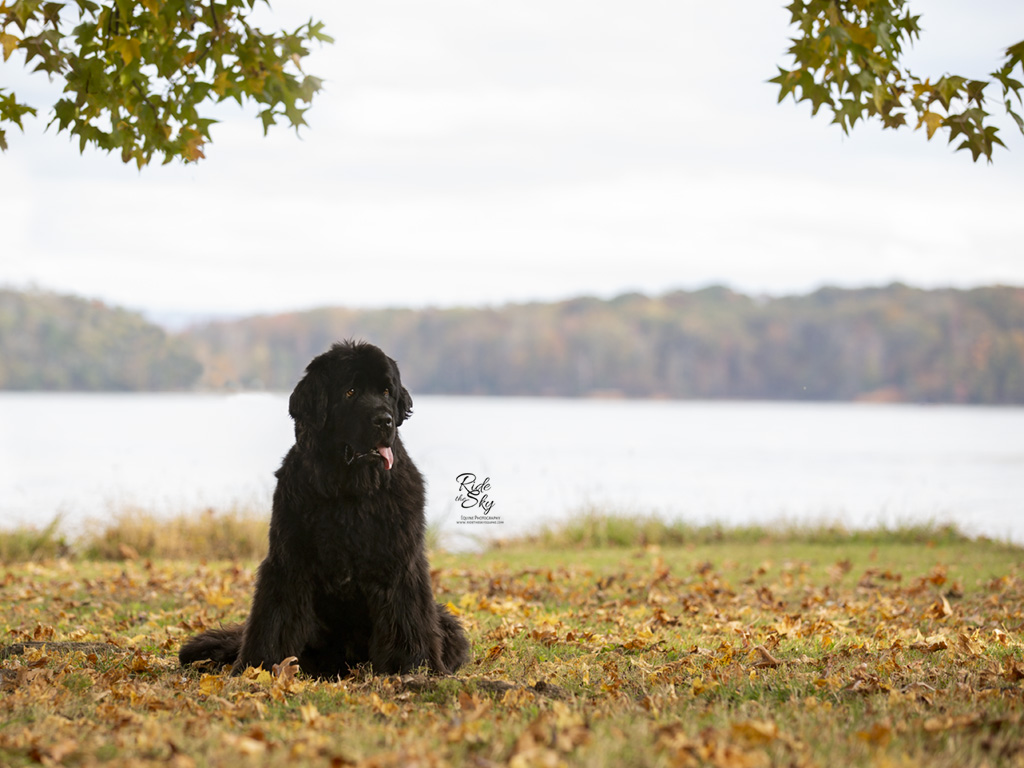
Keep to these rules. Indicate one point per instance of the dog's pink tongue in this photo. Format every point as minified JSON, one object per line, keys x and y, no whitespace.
{"x":388,"y":455}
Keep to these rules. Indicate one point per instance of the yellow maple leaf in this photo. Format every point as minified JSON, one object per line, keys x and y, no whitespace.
{"x":862,"y":35}
{"x":129,"y":48}
{"x":221,"y":83}
{"x":211,"y":685}
{"x":9,"y":43}
{"x":193,"y":147}
{"x":930,"y":119}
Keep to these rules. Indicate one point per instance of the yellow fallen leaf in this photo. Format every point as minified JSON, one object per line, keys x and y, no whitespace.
{"x":211,"y":685}
{"x":755,"y":731}
{"x":245,"y":745}
{"x":940,"y":609}
{"x":219,"y":599}
{"x":472,"y":705}
{"x":310,"y":714}
{"x":495,"y":651}
{"x":879,"y":733}
{"x":381,"y":707}
{"x":968,"y":645}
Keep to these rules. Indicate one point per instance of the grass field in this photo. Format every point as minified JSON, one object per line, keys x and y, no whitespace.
{"x":606,"y":642}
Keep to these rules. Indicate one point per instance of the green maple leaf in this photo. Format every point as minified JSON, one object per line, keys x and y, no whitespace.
{"x":1014,"y":115}
{"x":1015,"y":53}
{"x":848,"y":114}
{"x":976,"y":90}
{"x":786,"y":80}
{"x":295,"y":114}
{"x":948,"y":88}
{"x":267,"y":116}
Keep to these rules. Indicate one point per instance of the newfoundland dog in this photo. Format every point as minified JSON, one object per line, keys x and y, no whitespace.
{"x":345,"y":580}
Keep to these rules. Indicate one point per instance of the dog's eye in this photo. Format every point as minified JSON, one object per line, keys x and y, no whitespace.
{"x":351,"y":393}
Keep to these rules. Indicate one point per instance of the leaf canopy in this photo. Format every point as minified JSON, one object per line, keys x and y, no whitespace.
{"x":140,"y":75}
{"x":847,"y":59}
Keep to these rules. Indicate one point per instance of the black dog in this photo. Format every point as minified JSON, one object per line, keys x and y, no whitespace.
{"x":346,"y":579}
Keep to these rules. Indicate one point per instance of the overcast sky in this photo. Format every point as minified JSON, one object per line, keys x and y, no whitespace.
{"x":478,"y":153}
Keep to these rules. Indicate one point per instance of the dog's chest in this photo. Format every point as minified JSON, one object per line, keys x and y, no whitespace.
{"x":353,"y":540}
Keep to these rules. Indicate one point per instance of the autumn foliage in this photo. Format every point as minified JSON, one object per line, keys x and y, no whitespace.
{"x":847,"y":58}
{"x":140,"y":78}
{"x":895,"y":343}
{"x":734,"y":653}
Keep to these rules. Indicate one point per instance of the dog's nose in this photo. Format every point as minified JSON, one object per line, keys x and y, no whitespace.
{"x":383,"y":421}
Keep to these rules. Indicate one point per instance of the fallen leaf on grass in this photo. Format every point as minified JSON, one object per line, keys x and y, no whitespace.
{"x":471,"y":705}
{"x":245,"y":745}
{"x":880,"y":734}
{"x":211,"y":685}
{"x":968,"y":645}
{"x":866,"y":683}
{"x":495,"y":651}
{"x":709,"y":748}
{"x":381,"y":707}
{"x":755,"y":731}
{"x":766,"y":659}
{"x":54,"y":753}
{"x":554,"y":732}
{"x":936,"y":724}
{"x":930,"y":644}
{"x":15,"y":678}
{"x":310,"y":714}
{"x":940,"y":609}
{"x":1013,"y":671}
{"x":547,"y":636}
{"x":840,"y":569}
{"x":286,"y":669}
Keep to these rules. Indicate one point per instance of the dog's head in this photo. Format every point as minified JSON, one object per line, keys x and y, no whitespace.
{"x":348,"y":407}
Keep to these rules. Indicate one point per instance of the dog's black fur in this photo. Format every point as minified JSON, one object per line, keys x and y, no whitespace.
{"x":345,"y":580}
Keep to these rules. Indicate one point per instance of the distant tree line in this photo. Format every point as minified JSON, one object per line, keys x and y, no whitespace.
{"x":894,"y":343}
{"x":51,"y":342}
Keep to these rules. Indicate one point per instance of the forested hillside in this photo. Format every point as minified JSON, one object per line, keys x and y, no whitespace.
{"x":51,"y":342}
{"x":894,"y":343}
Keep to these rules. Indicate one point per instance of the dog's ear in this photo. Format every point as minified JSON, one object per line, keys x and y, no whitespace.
{"x":308,"y":404}
{"x":404,"y":405}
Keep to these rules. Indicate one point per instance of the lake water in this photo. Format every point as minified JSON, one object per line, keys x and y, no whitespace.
{"x":82,"y":455}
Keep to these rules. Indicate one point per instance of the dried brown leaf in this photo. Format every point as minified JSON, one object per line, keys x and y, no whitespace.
{"x":286,"y":669}
{"x":765,"y":658}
